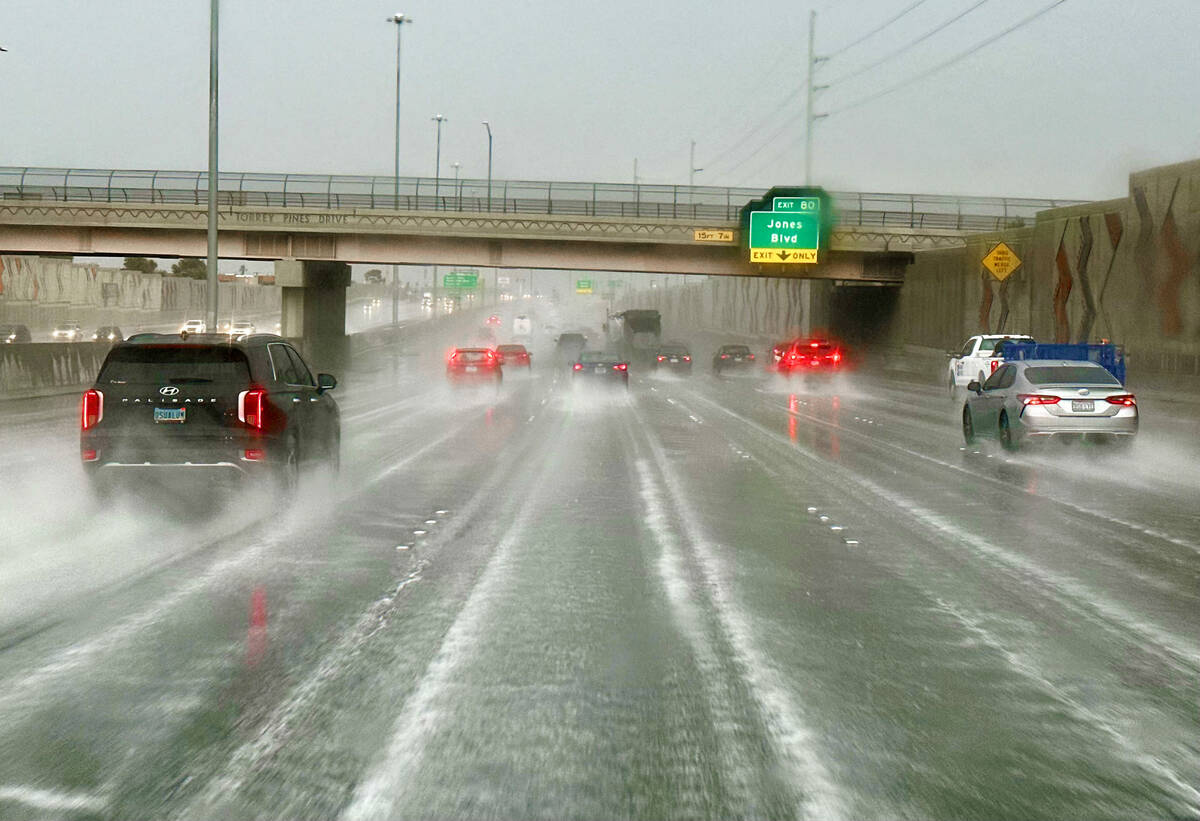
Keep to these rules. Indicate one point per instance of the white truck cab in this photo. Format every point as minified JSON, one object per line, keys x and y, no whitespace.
{"x":977,"y":359}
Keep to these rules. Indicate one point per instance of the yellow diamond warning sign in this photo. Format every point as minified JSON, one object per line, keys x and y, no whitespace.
{"x":1001,"y":261}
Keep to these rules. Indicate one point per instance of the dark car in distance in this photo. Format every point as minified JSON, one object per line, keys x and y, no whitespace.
{"x":473,"y":365}
{"x":516,"y":356}
{"x":672,"y":357}
{"x":569,"y":346}
{"x":108,"y":333}
{"x":14,"y":333}
{"x":731,"y":358}
{"x":600,"y":367}
{"x":207,"y":409}
{"x":816,"y":356}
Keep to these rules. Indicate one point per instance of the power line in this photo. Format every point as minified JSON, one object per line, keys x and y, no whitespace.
{"x":875,"y":30}
{"x":754,"y":130}
{"x":788,"y":123}
{"x":901,"y":50}
{"x":947,"y":63}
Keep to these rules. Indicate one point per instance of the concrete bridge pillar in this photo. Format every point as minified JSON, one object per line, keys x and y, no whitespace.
{"x":313,"y":308}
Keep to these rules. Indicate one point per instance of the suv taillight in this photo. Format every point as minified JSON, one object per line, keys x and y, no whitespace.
{"x":251,"y":405}
{"x":93,"y":409}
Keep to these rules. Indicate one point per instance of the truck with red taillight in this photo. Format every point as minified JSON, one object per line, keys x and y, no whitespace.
{"x":198,"y":410}
{"x":977,"y":359}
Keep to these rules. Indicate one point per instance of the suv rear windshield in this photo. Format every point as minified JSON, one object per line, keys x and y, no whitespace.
{"x":511,"y":349}
{"x":1070,"y":375}
{"x":175,"y":365}
{"x":471,"y":356}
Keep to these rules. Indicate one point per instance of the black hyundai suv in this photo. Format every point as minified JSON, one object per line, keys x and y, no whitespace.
{"x":206,"y":407}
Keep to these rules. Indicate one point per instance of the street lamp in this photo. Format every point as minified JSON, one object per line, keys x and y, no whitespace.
{"x":214,"y":182}
{"x":488,"y":126}
{"x":456,"y":166}
{"x":399,"y":20}
{"x":437,"y":178}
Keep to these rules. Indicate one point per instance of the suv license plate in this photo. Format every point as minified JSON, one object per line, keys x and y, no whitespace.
{"x":170,"y":414}
{"x":1083,"y":405}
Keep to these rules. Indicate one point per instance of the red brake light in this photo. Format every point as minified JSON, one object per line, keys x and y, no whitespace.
{"x":814,"y":344}
{"x":578,"y":366}
{"x":1121,"y":399}
{"x":687,"y":359}
{"x":724,"y":356}
{"x":751,"y":356}
{"x":621,"y":366}
{"x":1037,"y":399}
{"x":93,"y":409}
{"x":255,"y":454}
{"x":251,"y":405}
{"x":662,"y":359}
{"x":837,"y":356}
{"x":88,"y":455}
{"x":995,"y":364}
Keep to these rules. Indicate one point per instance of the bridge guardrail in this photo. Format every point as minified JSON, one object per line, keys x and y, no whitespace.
{"x":929,"y":211}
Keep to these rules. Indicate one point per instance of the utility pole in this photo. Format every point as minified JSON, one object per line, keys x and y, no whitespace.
{"x":437,"y":168}
{"x":809,"y":116}
{"x":635,"y":174}
{"x":692,"y":169}
{"x":213,"y":172}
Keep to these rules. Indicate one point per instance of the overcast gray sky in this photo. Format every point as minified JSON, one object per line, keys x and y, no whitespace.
{"x":1065,"y":106}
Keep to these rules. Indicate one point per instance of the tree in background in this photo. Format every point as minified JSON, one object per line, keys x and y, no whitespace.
{"x":146,"y":266}
{"x":190,"y":267}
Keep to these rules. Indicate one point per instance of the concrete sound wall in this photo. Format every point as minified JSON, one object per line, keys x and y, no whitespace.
{"x":42,"y":291}
{"x":1127,"y":270}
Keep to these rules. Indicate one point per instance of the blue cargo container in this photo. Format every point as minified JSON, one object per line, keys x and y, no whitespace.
{"x":1110,"y":357}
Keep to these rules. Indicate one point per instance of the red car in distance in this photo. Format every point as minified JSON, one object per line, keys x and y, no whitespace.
{"x":515,"y":355}
{"x":473,"y":365}
{"x":809,"y":356}
{"x":493,"y":320}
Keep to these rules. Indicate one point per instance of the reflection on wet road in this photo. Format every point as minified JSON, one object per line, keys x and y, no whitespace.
{"x":700,"y":598}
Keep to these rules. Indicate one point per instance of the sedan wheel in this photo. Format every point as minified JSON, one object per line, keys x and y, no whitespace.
{"x":968,"y":427}
{"x":1008,"y":439}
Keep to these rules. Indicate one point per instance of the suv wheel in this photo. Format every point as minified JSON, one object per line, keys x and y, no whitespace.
{"x":288,"y":478}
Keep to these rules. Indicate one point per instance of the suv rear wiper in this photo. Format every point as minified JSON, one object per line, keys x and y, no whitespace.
{"x":188,"y":380}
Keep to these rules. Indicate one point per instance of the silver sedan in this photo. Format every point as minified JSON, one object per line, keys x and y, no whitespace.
{"x":1041,"y":398}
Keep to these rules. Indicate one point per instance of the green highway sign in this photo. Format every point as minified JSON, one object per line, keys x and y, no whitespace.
{"x":809,"y":204}
{"x":583,"y":286}
{"x":787,"y":226}
{"x":784,"y":236}
{"x":461,"y":279}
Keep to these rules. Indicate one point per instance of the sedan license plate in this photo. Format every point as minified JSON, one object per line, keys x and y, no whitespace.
{"x":1083,"y":405}
{"x":470,"y":369}
{"x":599,"y":369}
{"x":673,"y":359}
{"x":170,"y":414}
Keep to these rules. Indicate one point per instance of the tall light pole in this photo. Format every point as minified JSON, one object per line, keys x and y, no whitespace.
{"x":437,"y":171}
{"x":213,"y":181}
{"x":399,"y":20}
{"x":488,"y":126}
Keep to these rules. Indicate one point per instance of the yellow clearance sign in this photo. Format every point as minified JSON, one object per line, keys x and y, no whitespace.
{"x":1001,"y":261}
{"x":712,"y":235}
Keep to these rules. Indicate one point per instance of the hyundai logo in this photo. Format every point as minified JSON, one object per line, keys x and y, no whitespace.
{"x":169,"y":390}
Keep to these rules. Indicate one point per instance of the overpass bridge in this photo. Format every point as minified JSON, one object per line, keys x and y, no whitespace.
{"x":314,"y":225}
{"x":505,"y":223}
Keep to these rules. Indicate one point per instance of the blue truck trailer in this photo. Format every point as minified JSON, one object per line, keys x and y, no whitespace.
{"x":1110,"y":357}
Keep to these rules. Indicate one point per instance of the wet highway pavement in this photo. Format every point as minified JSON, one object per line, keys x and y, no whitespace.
{"x":702,"y":597}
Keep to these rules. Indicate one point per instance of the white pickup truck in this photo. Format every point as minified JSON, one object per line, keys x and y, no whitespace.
{"x":977,"y":359}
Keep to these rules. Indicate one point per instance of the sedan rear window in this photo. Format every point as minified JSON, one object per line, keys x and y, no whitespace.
{"x":472,"y":356}
{"x":178,"y":364}
{"x":1070,"y":375}
{"x":736,"y":350}
{"x":596,"y":358}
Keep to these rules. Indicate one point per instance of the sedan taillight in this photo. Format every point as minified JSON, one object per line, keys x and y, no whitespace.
{"x":621,"y":366}
{"x":578,"y":366}
{"x":251,"y":405}
{"x":1037,"y":399}
{"x":1121,"y":399}
{"x":93,"y":409}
